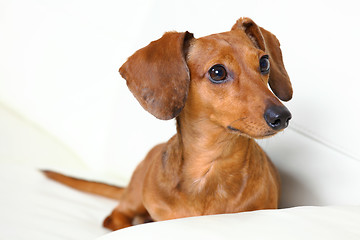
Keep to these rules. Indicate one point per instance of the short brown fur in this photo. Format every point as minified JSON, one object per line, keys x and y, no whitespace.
{"x":213,"y":164}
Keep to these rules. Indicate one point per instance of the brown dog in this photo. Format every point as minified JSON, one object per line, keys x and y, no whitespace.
{"x":216,"y":87}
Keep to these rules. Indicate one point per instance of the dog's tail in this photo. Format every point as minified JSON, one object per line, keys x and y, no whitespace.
{"x":97,"y":188}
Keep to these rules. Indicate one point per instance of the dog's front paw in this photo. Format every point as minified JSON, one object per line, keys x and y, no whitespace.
{"x":116,"y":220}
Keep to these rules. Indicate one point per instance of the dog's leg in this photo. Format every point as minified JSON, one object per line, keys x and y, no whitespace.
{"x":117,"y":220}
{"x":120,"y":218}
{"x":130,"y":205}
{"x":131,"y":210}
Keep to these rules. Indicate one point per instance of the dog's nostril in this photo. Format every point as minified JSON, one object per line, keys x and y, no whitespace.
{"x":277,"y":122}
{"x":287,"y":121}
{"x":277,"y":117}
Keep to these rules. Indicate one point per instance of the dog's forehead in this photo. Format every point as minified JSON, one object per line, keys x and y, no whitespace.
{"x":234,"y":39}
{"x":215,"y":48}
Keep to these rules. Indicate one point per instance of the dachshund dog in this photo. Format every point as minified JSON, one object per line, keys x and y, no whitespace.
{"x":216,"y":88}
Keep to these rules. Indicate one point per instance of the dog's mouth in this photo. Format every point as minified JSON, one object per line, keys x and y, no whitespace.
{"x":237,"y":132}
{"x":233,"y":129}
{"x":258,"y":135}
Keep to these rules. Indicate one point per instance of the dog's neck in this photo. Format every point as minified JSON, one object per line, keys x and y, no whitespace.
{"x":204,"y":141}
{"x":208,"y":148}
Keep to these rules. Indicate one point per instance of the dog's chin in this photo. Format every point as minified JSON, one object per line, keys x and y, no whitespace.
{"x":260,"y":135}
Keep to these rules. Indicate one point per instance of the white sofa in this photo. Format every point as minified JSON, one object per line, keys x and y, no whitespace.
{"x":63,"y":106}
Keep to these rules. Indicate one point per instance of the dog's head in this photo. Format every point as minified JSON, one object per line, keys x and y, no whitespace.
{"x":221,"y":77}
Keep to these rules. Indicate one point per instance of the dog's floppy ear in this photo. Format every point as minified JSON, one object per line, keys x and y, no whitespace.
{"x":158,"y":75}
{"x":279,"y":80}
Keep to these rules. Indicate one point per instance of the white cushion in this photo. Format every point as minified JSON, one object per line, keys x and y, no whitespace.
{"x":311,"y":172}
{"x":330,"y":223}
{"x":32,"y":207}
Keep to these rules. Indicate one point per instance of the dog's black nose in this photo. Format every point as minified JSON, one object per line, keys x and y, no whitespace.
{"x":277,"y":117}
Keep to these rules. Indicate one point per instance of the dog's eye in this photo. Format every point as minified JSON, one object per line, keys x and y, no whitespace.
{"x":217,"y":73}
{"x":264,"y":64}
